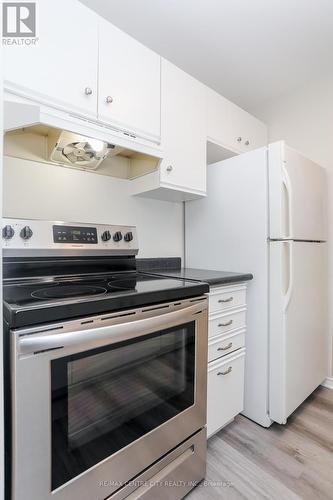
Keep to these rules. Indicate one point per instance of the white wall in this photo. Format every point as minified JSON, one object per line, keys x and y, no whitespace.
{"x":304,"y":119}
{"x":44,"y":191}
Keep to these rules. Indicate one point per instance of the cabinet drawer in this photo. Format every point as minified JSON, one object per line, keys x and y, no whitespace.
{"x":223,"y":323}
{"x":225,"y":391}
{"x":222,"y":345}
{"x":225,"y":299}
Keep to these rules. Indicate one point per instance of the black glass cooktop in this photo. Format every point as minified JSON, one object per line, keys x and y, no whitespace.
{"x":50,"y":299}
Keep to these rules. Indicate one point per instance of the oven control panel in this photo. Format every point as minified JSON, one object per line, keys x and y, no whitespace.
{"x":22,"y":237}
{"x":75,"y":234}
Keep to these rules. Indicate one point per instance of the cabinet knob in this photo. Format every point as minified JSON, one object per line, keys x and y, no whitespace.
{"x":247,"y":143}
{"x":169,"y":168}
{"x":109,"y":99}
{"x":88,"y":91}
{"x":239,"y":139}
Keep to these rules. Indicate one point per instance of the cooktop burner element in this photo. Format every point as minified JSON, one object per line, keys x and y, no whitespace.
{"x":63,"y":292}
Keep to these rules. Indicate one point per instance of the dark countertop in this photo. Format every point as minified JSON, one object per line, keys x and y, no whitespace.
{"x":213,"y":278}
{"x":163,"y":267}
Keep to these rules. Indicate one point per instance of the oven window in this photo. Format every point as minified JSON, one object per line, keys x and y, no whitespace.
{"x":106,"y":398}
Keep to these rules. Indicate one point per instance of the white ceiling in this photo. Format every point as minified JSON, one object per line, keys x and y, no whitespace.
{"x":251,"y":51}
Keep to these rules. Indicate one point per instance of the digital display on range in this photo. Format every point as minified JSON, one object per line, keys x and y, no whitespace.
{"x":71,"y":234}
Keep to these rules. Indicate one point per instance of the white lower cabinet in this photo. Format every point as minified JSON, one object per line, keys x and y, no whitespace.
{"x":225,"y":390}
{"x":226,"y":355}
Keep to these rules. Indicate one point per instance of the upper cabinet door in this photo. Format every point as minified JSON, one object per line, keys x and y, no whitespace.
{"x":230,"y":126}
{"x":183,"y":130}
{"x":129,"y":84}
{"x":218,"y":110}
{"x":61,"y":68}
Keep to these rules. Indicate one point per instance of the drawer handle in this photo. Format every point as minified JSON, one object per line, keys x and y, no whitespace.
{"x":226,"y":371}
{"x":223,"y":301}
{"x":228,"y":323}
{"x":225,"y":348}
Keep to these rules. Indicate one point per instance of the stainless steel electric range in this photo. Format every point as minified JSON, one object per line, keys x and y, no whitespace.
{"x":105,"y":368}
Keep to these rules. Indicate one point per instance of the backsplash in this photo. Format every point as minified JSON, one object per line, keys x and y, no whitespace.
{"x":44,"y":191}
{"x":166,"y":264}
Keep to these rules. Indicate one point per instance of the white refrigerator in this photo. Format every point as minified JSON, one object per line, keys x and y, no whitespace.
{"x":265,"y":213}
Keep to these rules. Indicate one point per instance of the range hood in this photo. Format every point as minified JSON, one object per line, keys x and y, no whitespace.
{"x":37,"y":133}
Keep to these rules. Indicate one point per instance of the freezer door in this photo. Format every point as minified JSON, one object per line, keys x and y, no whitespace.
{"x":297,"y":195}
{"x":298,"y":337}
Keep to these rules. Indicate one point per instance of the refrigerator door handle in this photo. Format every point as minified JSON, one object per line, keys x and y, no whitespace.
{"x":290,"y":272}
{"x":287,"y":204}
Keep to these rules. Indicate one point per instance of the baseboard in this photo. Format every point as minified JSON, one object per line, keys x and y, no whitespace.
{"x":328,"y":383}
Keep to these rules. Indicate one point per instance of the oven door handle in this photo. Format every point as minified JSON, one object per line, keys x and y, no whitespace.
{"x":97,"y":337}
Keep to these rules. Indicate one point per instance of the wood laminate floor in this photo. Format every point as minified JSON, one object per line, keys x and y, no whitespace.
{"x":284,"y":462}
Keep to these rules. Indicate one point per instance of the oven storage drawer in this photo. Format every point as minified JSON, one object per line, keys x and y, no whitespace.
{"x":222,"y":345}
{"x":224,"y":323}
{"x":183,"y":467}
{"x":224,"y":298}
{"x":225,"y":391}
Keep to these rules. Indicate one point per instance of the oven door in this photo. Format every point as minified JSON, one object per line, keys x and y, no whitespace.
{"x":97,"y":401}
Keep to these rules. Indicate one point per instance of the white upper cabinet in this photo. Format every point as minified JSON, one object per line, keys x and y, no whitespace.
{"x":129,"y":84}
{"x":85,"y":66}
{"x":61,"y":68}
{"x":183,"y":130}
{"x":231,"y":127}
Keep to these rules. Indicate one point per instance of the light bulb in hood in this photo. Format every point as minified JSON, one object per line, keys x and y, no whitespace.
{"x":96,"y":145}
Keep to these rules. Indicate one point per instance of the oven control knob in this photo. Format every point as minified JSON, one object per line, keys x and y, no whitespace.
{"x":106,"y":236}
{"x":117,"y":236}
{"x":26,"y":233}
{"x":128,"y":236}
{"x":8,"y":232}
